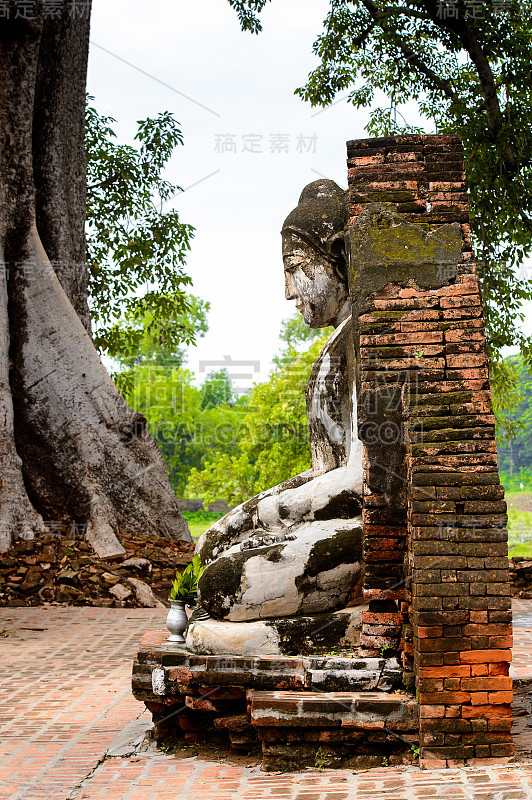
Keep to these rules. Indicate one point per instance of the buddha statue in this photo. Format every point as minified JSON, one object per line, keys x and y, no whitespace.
{"x":295,"y":550}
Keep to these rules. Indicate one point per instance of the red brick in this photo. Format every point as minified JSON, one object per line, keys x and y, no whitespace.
{"x":478,"y":616}
{"x":486,"y":712}
{"x":501,"y":668}
{"x":469,"y":285}
{"x":428,"y":685}
{"x":381,"y":618}
{"x":479,"y":698}
{"x":460,"y":301}
{"x":485,"y":656}
{"x":450,"y":698}
{"x":444,"y":725}
{"x":499,"y":684}
{"x":501,"y":641}
{"x":502,"y":749}
{"x":453,"y":712}
{"x":458,"y":671}
{"x":500,"y":724}
{"x":489,"y":629}
{"x":429,"y":763}
{"x":500,"y":697}
{"x":452,"y":684}
{"x":430,"y":659}
{"x":434,"y":631}
{"x":431,"y":711}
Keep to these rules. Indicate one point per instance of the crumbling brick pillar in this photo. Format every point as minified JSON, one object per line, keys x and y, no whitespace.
{"x":434,"y":514}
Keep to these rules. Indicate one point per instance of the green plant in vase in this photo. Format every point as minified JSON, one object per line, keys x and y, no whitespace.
{"x":185,"y":585}
{"x":184,"y":592}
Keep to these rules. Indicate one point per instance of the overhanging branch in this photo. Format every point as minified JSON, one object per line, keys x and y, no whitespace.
{"x":380,"y":17}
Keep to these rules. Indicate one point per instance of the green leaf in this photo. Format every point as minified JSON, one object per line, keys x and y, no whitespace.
{"x":136,"y":244}
{"x":271,"y":437}
{"x":185,"y":585}
{"x":464,"y":68}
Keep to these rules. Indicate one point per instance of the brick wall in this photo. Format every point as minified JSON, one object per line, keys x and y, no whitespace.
{"x":436,"y":568}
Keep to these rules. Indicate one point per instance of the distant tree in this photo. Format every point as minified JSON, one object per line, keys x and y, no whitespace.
{"x":295,"y":331}
{"x":188,"y":430}
{"x":514,"y":426}
{"x":294,"y":335}
{"x":217,"y":390}
{"x":272,"y":441}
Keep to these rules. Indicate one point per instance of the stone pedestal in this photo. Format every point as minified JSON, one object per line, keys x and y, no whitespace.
{"x":291,"y":636}
{"x":329,"y":710}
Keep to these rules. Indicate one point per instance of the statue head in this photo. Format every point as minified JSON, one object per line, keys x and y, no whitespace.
{"x":314,"y":257}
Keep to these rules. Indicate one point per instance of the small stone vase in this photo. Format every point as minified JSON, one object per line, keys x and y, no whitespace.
{"x":176,"y":621}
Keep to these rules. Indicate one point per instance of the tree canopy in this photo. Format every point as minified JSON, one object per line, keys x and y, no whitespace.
{"x":467,"y":66}
{"x":515,"y":433}
{"x":136,"y":250}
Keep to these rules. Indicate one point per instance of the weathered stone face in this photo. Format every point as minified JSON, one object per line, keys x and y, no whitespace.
{"x":314,"y":256}
{"x":320,"y":295}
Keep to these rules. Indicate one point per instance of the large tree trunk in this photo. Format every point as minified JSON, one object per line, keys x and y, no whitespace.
{"x":70,"y":446}
{"x":59,"y":151}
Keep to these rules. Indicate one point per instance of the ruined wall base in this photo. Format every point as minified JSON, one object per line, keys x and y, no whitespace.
{"x":317,"y":711}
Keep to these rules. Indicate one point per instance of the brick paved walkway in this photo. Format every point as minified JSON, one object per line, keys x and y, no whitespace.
{"x":521,"y":668}
{"x":65,"y":695}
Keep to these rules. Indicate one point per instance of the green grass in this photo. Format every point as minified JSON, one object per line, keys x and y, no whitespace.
{"x":519,"y":533}
{"x":199,"y":521}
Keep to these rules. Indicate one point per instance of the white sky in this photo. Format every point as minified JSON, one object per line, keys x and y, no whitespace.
{"x":237,"y":85}
{"x":237,"y":201}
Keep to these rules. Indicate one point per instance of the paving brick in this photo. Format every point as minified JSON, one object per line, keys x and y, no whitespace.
{"x":55,"y":735}
{"x":64,"y":693}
